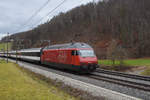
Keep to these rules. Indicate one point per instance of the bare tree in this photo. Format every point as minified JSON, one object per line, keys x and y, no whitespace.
{"x":116,"y":52}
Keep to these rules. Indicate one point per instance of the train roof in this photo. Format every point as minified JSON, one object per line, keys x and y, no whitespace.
{"x":69,"y":45}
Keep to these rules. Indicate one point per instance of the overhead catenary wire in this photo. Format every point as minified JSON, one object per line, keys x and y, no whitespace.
{"x":50,"y":12}
{"x":34,"y":14}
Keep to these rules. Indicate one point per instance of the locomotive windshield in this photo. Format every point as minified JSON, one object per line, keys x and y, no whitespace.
{"x":87,"y":53}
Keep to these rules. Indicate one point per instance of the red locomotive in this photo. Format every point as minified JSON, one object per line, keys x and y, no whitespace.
{"x":74,"y":56}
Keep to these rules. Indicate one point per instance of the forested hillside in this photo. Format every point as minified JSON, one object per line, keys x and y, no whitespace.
{"x":125,"y":21}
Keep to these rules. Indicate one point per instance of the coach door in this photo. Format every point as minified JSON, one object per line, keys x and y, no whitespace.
{"x":74,"y":57}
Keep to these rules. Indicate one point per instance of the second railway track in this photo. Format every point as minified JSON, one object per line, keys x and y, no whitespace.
{"x":127,"y":83}
{"x":110,"y":76}
{"x":132,"y":76}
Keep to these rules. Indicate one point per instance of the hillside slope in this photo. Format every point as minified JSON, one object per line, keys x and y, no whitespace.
{"x":126,"y":21}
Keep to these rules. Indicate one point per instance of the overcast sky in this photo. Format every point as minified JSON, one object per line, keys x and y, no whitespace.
{"x":15,"y":13}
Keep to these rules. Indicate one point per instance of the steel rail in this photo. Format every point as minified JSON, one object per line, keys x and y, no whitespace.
{"x":132,"y":76}
{"x":140,"y":86}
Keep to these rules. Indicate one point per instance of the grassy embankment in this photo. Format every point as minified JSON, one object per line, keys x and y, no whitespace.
{"x":3,"y":46}
{"x":16,"y":84}
{"x":130,"y":62}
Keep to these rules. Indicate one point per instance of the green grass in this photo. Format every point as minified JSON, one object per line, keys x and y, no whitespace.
{"x":18,"y":85}
{"x":3,"y":46}
{"x":129,"y":62}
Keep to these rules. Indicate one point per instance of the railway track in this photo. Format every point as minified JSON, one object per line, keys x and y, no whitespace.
{"x":132,"y":76}
{"x":121,"y":81}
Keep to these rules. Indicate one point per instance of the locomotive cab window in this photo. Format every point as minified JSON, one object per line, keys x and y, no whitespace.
{"x":87,"y":53}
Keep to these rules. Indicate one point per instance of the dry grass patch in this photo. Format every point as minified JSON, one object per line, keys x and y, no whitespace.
{"x":146,"y":72}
